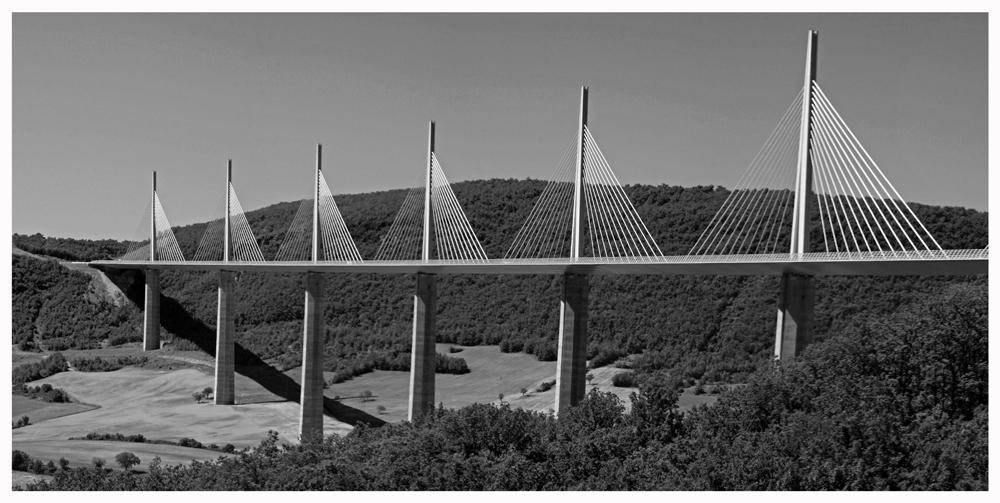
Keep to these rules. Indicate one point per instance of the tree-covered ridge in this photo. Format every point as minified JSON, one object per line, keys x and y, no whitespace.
{"x":895,"y":402}
{"x":52,"y":307}
{"x":706,"y":327}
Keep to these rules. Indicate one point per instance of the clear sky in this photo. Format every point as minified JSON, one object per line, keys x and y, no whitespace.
{"x":101,"y":100}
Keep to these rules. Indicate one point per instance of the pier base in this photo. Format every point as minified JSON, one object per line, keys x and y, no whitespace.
{"x":424,"y":356}
{"x":311,"y":423}
{"x":572,"y":366}
{"x":795,"y":316}
{"x":151,"y":312}
{"x":225,"y":350}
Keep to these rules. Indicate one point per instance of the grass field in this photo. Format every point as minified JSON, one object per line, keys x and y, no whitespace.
{"x":37,"y":410}
{"x":156,"y":401}
{"x":491,"y":372}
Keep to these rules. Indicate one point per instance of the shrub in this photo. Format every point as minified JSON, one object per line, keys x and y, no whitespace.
{"x":623,"y":380}
{"x":545,"y":386}
{"x":22,"y":462}
{"x":197,"y":396}
{"x":380,"y":409}
{"x":97,"y":462}
{"x":547,"y":351}
{"x":34,"y":371}
{"x":63,"y":464}
{"x":454,"y":349}
{"x":228,"y":448}
{"x":605,"y":357}
{"x":445,"y":364}
{"x":511,"y":346}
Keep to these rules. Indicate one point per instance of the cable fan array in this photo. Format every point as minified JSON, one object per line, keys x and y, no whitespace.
{"x":335,"y":240}
{"x":859,"y":209}
{"x":244,"y":246}
{"x":166,"y":244}
{"x":547,"y":231}
{"x":454,"y":238}
{"x":752,"y":219}
{"x":613,"y":225}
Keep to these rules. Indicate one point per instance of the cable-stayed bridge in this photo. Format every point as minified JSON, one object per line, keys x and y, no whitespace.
{"x":811,"y":182}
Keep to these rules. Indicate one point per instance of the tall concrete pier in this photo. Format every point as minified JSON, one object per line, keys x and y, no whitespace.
{"x":225,"y":353}
{"x":151,"y":312}
{"x":311,"y":424}
{"x":795,"y":305}
{"x":572,"y":365}
{"x":311,"y":403}
{"x":225,"y":329}
{"x":151,"y":305}
{"x":423,"y":356}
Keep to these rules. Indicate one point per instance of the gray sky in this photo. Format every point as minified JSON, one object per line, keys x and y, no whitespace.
{"x":101,"y":100}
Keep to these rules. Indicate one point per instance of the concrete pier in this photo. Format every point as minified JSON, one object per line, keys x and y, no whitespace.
{"x":795,"y":316}
{"x":572,"y":366}
{"x":311,"y":423}
{"x":424,"y":356}
{"x":151,"y":312}
{"x":225,"y":350}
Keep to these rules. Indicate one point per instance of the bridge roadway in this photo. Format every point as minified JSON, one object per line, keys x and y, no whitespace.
{"x":915,"y":263}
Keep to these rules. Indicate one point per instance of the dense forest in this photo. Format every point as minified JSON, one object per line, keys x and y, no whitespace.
{"x":891,"y":402}
{"x":706,"y":328}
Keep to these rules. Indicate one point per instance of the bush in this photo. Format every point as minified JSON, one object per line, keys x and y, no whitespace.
{"x":605,"y":357}
{"x":545,"y":386}
{"x":98,"y":364}
{"x":450,"y":365}
{"x":546,"y":351}
{"x":380,"y":409}
{"x":28,"y":372}
{"x":22,"y":461}
{"x":98,"y":462}
{"x":228,"y":448}
{"x":454,"y":349}
{"x":63,"y":464}
{"x":623,"y":380}
{"x":511,"y":345}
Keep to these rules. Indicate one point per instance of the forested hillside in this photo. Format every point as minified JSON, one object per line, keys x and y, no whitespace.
{"x":708,"y":328}
{"x":896,"y":402}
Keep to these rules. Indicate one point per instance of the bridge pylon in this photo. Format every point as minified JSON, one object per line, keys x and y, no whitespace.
{"x":572,"y":365}
{"x":151,"y":306}
{"x":797,"y":298}
{"x":311,"y":403}
{"x":225,"y":326}
{"x":423,"y":354}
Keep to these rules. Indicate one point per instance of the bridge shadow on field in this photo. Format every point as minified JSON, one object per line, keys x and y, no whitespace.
{"x":179,"y":322}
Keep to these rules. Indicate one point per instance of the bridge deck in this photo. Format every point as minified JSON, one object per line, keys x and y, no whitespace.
{"x":940,"y":263}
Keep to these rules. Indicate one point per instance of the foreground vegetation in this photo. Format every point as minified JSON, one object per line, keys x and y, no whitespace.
{"x":889,"y":402}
